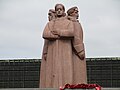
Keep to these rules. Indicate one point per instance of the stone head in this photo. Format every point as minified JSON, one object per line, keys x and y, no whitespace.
{"x":73,"y":12}
{"x":60,"y":10}
{"x":51,"y":14}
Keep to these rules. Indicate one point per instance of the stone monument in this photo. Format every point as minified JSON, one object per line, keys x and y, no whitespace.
{"x":79,"y":62}
{"x":63,"y":58}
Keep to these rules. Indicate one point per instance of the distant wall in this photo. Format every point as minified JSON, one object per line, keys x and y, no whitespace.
{"x":24,"y":73}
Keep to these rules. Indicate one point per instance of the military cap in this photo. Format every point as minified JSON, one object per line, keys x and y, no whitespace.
{"x":71,"y":10}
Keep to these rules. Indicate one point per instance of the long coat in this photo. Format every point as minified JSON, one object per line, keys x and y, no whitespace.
{"x":79,"y":66}
{"x":57,"y":69}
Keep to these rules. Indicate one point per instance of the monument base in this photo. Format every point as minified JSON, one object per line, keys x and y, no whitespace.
{"x":54,"y":89}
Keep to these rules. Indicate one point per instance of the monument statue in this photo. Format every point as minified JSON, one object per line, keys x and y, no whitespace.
{"x":79,"y":62}
{"x":51,"y":14}
{"x":61,"y":57}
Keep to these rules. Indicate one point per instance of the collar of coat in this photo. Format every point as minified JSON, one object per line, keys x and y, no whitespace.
{"x":72,"y":19}
{"x":61,"y":18}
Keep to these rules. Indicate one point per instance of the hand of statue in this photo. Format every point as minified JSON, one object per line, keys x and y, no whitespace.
{"x":81,"y":55}
{"x":45,"y":57}
{"x":55,"y":32}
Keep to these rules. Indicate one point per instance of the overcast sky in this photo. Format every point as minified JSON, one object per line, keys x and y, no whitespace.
{"x":22,"y":23}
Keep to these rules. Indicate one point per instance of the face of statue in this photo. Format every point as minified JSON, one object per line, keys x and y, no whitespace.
{"x":75,"y":14}
{"x":59,"y":11}
{"x":51,"y":15}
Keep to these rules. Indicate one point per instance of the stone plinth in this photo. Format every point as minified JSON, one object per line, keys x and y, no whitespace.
{"x":54,"y":89}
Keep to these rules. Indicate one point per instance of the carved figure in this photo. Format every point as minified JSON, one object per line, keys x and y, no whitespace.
{"x":51,"y":14}
{"x":58,"y":70}
{"x":79,"y":62}
{"x":63,"y":59}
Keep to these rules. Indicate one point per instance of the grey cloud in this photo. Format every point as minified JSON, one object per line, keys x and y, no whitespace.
{"x":22,"y":23}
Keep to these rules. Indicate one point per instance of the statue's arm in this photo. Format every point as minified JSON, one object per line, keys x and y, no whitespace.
{"x":80,"y":32}
{"x":79,"y":47}
{"x":78,"y":44}
{"x":78,"y":38}
{"x":45,"y":47}
{"x":47,"y":33}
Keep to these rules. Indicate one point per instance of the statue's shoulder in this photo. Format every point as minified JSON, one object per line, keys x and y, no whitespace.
{"x":73,"y":19}
{"x":50,"y":23}
{"x":67,"y":20}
